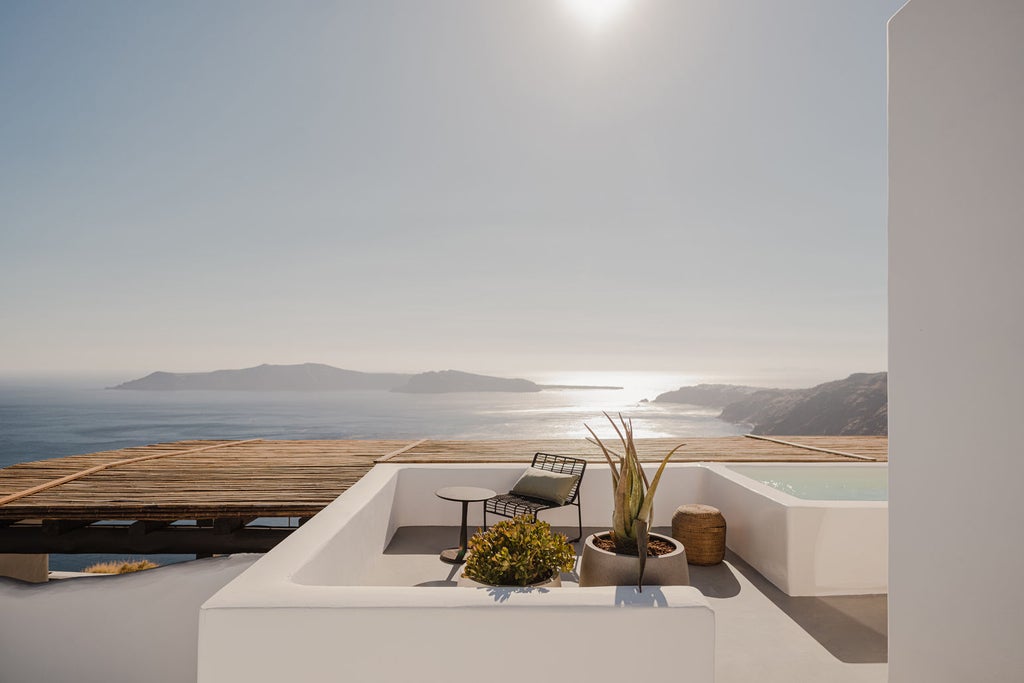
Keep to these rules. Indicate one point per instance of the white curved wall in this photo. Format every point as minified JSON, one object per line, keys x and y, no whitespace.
{"x":956,"y":351}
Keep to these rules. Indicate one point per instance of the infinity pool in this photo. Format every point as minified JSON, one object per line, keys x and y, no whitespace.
{"x":863,"y":482}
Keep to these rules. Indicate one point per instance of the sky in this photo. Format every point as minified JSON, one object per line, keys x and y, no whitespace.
{"x":508,"y":187}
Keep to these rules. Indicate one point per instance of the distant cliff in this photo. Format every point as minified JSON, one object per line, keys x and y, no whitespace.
{"x":708,"y":395}
{"x":449,"y":381}
{"x":851,"y":406}
{"x":319,"y":377}
{"x":305,"y":377}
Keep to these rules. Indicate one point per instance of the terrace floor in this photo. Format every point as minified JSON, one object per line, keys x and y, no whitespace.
{"x":762,"y":634}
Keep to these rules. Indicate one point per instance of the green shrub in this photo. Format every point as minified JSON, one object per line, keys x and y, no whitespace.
{"x":518,"y":552}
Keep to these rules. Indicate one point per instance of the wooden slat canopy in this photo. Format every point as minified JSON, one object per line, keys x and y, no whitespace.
{"x":252,"y":479}
{"x":126,"y":500}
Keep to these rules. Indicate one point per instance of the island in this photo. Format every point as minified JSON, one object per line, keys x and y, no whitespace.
{"x":304,"y":377}
{"x":450,"y":381}
{"x":321,"y":377}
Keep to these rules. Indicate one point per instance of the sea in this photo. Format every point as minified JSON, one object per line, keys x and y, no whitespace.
{"x":49,"y":418}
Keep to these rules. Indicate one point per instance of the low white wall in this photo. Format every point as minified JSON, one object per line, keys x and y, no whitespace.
{"x":803,"y":547}
{"x":342,"y":543}
{"x":504,"y":638}
{"x":298,"y":615}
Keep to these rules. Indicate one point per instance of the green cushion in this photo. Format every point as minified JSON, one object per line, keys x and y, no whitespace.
{"x":545,"y":485}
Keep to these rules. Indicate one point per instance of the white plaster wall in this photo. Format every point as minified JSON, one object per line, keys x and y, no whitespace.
{"x":956,"y":317}
{"x":837,"y":547}
{"x":295,"y":614}
{"x":503,"y":642}
{"x":131,"y":627}
{"x":416,"y":504}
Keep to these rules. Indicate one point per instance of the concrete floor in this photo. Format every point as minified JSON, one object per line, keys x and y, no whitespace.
{"x":762,"y":634}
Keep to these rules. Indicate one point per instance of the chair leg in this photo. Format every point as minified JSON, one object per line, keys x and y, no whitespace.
{"x":485,"y":518}
{"x":579,"y":517}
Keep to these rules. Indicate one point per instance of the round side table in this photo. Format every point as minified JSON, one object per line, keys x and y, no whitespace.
{"x":464,"y":495}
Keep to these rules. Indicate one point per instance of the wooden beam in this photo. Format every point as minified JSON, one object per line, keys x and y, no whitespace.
{"x":109,"y":538}
{"x":56,"y":527}
{"x":810,"y":448}
{"x":403,"y":449}
{"x":146,"y":526}
{"x":227,"y":525}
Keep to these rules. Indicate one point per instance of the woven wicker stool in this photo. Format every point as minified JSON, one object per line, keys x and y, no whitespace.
{"x":701,"y":530}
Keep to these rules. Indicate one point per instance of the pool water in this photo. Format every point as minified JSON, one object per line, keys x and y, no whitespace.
{"x":811,"y":482}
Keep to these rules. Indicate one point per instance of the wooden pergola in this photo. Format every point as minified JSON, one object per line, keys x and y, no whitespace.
{"x":203,"y":497}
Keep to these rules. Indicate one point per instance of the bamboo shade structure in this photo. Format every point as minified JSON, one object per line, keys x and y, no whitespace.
{"x":206,"y":479}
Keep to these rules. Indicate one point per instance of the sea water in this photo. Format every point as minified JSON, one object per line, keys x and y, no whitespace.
{"x":53,"y":419}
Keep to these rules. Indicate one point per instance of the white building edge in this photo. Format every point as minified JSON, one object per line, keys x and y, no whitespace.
{"x":956,"y":341}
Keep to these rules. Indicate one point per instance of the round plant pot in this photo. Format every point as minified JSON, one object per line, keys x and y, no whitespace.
{"x":604,"y":568}
{"x":554,"y":581}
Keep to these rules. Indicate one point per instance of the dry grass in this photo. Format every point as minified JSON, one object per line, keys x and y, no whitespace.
{"x":120,"y":567}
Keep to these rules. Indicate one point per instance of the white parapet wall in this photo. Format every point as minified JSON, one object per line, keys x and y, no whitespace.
{"x":804,"y":547}
{"x":302,"y":614}
{"x":307,"y":610}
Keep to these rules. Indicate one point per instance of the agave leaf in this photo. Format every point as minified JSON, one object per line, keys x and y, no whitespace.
{"x":643,"y":474}
{"x":607,"y":456}
{"x":619,"y":512}
{"x":640,"y":529}
{"x":617,"y":431}
{"x":645,"y":511}
{"x":636,"y":491}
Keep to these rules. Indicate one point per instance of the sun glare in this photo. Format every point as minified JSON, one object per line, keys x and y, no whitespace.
{"x":596,"y":13}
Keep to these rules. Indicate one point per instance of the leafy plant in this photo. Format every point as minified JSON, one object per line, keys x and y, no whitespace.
{"x":518,"y":552}
{"x":633,"y":495}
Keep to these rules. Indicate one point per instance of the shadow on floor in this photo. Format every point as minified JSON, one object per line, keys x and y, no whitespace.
{"x":853,"y":628}
{"x":423,"y":540}
{"x":716,"y":581}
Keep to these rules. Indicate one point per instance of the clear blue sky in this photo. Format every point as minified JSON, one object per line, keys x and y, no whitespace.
{"x":695,"y":185}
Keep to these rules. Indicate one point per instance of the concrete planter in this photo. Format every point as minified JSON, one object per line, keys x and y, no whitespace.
{"x":603,"y":568}
{"x":554,"y":582}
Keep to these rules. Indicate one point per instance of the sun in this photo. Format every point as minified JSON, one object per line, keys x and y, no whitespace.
{"x":596,"y":13}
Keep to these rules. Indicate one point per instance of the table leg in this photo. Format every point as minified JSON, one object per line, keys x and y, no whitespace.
{"x":458,"y":555}
{"x":462,"y":536}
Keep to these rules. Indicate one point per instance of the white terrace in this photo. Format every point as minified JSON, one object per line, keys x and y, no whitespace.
{"x":360,"y":589}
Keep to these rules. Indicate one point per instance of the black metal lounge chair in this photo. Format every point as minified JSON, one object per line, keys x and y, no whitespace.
{"x":512,"y":505}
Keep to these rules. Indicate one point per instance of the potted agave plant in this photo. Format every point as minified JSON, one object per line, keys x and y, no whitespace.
{"x":518,"y":552}
{"x":628,"y":553}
